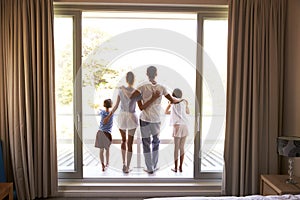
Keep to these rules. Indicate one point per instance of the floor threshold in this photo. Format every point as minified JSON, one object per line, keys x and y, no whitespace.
{"x":143,"y":189}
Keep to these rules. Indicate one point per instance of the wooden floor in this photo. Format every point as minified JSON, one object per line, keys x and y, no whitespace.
{"x":213,"y":161}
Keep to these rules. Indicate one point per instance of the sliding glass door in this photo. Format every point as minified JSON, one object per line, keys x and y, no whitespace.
{"x":117,"y":42}
{"x":67,"y":40}
{"x":95,"y":49}
{"x":212,"y":78}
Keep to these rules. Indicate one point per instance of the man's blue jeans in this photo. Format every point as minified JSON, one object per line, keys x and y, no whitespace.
{"x":149,"y":130}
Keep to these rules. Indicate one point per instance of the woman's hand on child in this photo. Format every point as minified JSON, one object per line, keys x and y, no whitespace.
{"x":106,"y":119}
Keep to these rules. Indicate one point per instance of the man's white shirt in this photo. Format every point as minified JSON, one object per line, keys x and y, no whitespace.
{"x":153,"y":112}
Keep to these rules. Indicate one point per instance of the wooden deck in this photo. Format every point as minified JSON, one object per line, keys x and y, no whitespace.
{"x":92,"y":169}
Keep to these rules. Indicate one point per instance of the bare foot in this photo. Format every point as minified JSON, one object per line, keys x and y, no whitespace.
{"x":124,"y":168}
{"x":127,"y":170}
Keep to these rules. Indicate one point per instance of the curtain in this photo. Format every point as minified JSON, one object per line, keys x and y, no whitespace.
{"x":27,"y":95}
{"x":254,"y":93}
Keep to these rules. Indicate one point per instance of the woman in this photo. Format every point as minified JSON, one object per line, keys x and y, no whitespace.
{"x":127,"y":120}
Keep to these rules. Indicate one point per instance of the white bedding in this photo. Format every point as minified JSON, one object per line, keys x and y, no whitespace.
{"x":252,"y":197}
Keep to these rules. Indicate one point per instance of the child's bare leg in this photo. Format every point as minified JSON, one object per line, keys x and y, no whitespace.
{"x":181,"y":147}
{"x":176,"y":149}
{"x":107,"y":157}
{"x":181,"y":161}
{"x":101,"y":155}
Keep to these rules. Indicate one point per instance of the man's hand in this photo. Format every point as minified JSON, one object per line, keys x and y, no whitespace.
{"x":156,"y":94}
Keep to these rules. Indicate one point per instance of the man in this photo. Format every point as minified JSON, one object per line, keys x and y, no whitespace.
{"x":150,"y":117}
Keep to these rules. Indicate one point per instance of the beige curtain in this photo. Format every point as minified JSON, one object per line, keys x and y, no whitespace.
{"x":254,"y":93}
{"x":27,"y":95}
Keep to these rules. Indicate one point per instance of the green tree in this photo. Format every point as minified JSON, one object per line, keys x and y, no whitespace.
{"x":64,"y":76}
{"x":95,"y":70}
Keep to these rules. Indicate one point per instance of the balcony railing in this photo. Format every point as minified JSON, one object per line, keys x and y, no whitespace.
{"x":212,"y":161}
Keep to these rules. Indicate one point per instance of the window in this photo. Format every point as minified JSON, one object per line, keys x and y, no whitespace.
{"x":94,"y":50}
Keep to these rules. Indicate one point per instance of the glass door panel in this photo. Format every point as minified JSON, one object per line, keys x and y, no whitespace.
{"x":213,"y":94}
{"x":117,"y":42}
{"x":63,"y":39}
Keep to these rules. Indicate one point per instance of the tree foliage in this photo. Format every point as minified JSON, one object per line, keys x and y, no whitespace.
{"x":64,"y":76}
{"x":94,"y":70}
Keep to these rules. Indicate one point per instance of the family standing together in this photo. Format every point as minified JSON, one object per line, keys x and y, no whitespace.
{"x":148,"y":97}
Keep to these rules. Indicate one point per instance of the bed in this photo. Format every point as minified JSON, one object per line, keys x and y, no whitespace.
{"x":252,"y":197}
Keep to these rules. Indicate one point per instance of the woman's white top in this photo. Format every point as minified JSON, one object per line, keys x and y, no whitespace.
{"x":127,"y":118}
